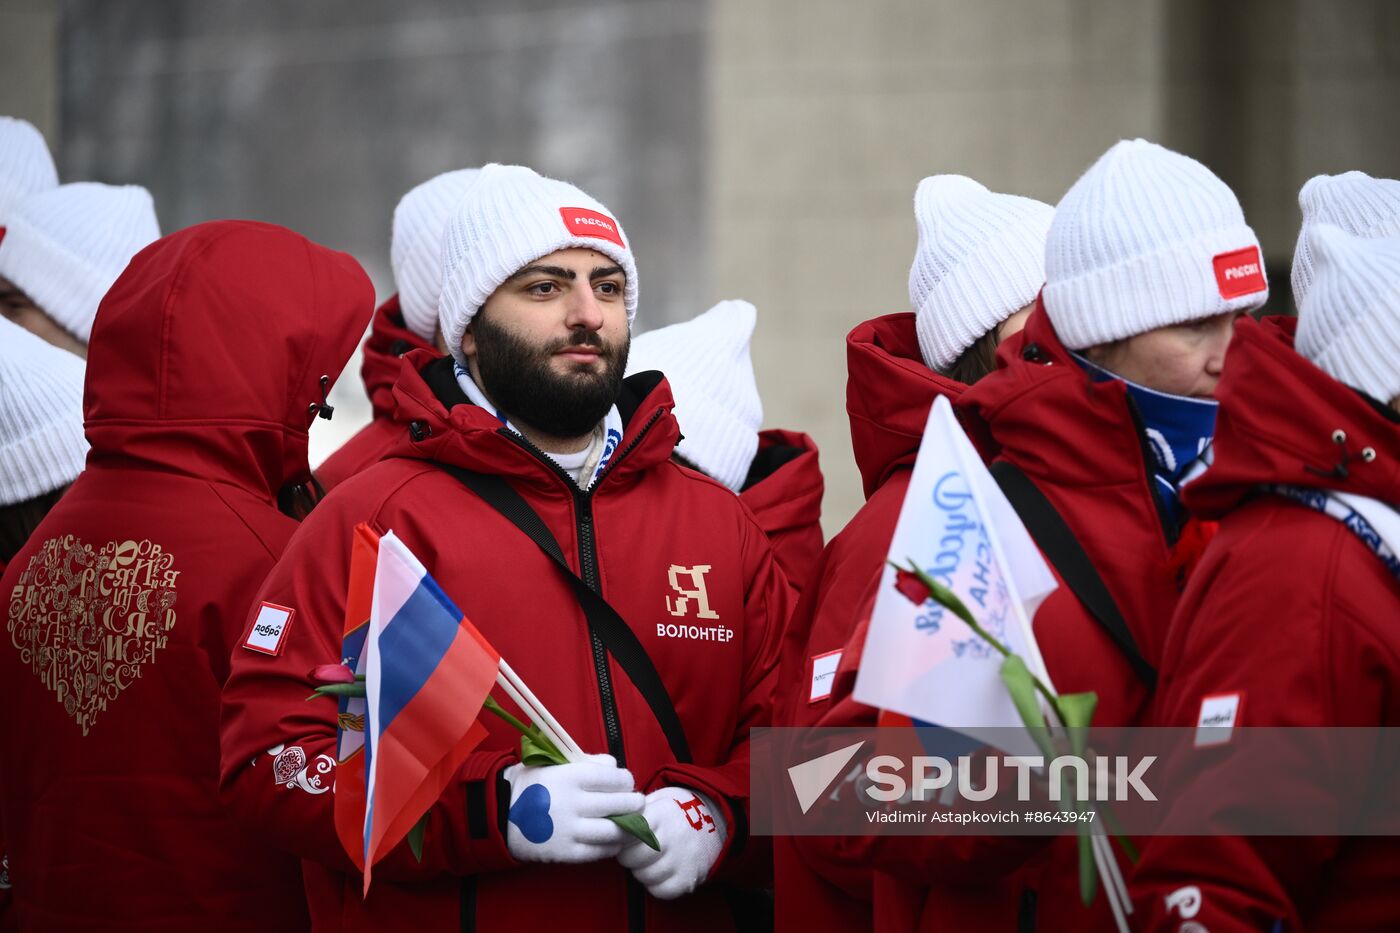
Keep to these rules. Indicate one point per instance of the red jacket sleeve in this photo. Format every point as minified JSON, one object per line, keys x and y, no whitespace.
{"x":266,"y":711}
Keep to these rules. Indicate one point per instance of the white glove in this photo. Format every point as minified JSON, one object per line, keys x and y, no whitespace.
{"x":559,"y":813}
{"x":691,"y":831}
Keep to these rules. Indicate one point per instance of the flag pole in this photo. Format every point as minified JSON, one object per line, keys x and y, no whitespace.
{"x":532,"y":710}
{"x":569,"y":743}
{"x":1112,"y":880}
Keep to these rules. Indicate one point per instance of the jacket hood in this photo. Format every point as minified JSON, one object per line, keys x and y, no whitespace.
{"x":784,"y":486}
{"x":443,"y":425}
{"x":1279,"y":422}
{"x":212,"y":353}
{"x":889,"y":391}
{"x":1064,"y":427}
{"x":389,"y":339}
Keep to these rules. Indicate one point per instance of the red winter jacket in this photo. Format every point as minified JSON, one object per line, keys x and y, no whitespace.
{"x":643,"y":523}
{"x":389,"y":339}
{"x":1081,"y":444}
{"x":784,"y":491}
{"x":204,"y":370}
{"x":1291,"y":610}
{"x":825,"y":883}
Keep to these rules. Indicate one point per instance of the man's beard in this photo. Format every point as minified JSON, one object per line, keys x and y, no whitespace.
{"x":520,"y":380}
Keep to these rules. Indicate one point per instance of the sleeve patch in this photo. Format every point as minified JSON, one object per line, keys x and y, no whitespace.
{"x":269,"y":629}
{"x":823,"y":675}
{"x":1216,"y":722}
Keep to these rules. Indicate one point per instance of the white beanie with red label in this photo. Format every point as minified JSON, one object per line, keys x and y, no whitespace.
{"x":1147,"y":238}
{"x":65,"y":247}
{"x":26,"y":167}
{"x":980,"y":259}
{"x":507,"y":219}
{"x":1349,"y":324}
{"x":415,"y":251}
{"x":41,"y":416}
{"x":1359,"y":204}
{"x":706,"y":361}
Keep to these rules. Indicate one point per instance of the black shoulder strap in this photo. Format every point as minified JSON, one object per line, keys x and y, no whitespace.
{"x":617,"y":636}
{"x":1058,"y":542}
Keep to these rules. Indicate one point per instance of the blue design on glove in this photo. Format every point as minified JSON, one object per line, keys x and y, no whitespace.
{"x":530,"y":814}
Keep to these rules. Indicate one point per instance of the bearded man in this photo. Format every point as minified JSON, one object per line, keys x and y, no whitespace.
{"x":539,"y":291}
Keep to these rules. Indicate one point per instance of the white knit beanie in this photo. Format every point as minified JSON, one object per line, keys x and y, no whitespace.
{"x":706,"y":361}
{"x":981,"y":258}
{"x":1359,"y":204}
{"x":1147,"y":238}
{"x":415,"y":251}
{"x":1349,"y":324}
{"x":41,"y":416}
{"x":65,"y":247}
{"x":25,"y":164}
{"x":509,"y":218}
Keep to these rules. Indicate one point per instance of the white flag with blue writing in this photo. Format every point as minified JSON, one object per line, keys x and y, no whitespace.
{"x":923,"y":661}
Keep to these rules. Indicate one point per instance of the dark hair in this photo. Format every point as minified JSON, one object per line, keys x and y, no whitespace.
{"x":978,"y":360}
{"x":18,"y":521}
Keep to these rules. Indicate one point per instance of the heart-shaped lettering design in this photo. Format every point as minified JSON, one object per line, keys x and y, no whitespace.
{"x":87,"y":621}
{"x":530,"y":814}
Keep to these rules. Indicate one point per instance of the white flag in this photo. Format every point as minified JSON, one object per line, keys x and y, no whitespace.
{"x":923,"y":661}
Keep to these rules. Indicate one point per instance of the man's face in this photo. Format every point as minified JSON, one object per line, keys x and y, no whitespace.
{"x":550,"y":345}
{"x":16,"y":307}
{"x":1185,"y":359}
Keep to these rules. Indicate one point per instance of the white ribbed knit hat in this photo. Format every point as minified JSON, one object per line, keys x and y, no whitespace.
{"x":1359,"y":204}
{"x":981,"y":258}
{"x":415,"y":251}
{"x":706,"y":361}
{"x":1147,"y":238}
{"x":509,"y":218}
{"x":1349,"y":324}
{"x":25,"y":164}
{"x":65,"y":247}
{"x":41,"y":416}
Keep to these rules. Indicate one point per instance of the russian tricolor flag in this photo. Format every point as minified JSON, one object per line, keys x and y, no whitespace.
{"x":350,"y":721}
{"x":427,"y":674}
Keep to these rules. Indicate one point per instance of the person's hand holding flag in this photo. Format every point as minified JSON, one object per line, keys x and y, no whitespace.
{"x":561,"y":813}
{"x":414,"y":675}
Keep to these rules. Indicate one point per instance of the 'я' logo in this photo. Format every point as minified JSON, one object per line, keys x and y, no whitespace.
{"x":693,"y":592}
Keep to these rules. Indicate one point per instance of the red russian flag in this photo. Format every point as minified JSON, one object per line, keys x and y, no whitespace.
{"x":350,"y":774}
{"x":427,"y":674}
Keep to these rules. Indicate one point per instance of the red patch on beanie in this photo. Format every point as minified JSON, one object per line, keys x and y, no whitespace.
{"x":580,"y":221}
{"x":1240,"y":272}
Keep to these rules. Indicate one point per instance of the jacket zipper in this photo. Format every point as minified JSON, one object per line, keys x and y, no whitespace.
{"x":588,"y":564}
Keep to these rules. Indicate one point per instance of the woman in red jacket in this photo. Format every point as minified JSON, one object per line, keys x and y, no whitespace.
{"x":1101,"y":402}
{"x":1290,"y":617}
{"x":209,"y":360}
{"x":978,"y":265}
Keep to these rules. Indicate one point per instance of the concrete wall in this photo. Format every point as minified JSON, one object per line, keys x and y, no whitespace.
{"x":761,"y":149}
{"x":825,"y":115}
{"x":29,"y":62}
{"x":320,"y":115}
{"x":823,"y":121}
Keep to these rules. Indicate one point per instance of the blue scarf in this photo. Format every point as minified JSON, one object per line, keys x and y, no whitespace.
{"x":1344,"y":508}
{"x":1179,"y":431}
